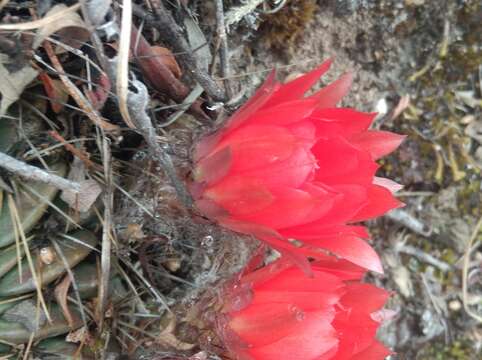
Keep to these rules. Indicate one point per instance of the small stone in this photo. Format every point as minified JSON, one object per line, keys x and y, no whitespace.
{"x":455,"y":305}
{"x":47,"y":255}
{"x":172,"y":264}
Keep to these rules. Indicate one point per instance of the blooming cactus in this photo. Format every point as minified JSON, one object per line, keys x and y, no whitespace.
{"x":295,"y":171}
{"x":278,"y":313}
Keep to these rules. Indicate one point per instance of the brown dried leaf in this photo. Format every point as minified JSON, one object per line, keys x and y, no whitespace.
{"x":401,"y":106}
{"x":99,"y":95}
{"x":165,"y":55}
{"x":89,"y":189}
{"x":134,"y":232}
{"x":83,"y":200}
{"x":76,"y":94}
{"x":81,"y":335}
{"x":167,"y":337}
{"x":61,"y":291}
{"x":12,"y":84}
{"x":55,"y":91}
{"x":155,"y":69}
{"x":159,"y":74}
{"x":70,"y":28}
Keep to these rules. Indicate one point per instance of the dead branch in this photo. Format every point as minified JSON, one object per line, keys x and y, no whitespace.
{"x":92,"y":20}
{"x":76,"y":94}
{"x":106,"y":234}
{"x":34,"y":173}
{"x":223,"y":50}
{"x":423,"y":256}
{"x":137,"y":103}
{"x":406,"y":219}
{"x":70,"y":274}
{"x":159,"y":75}
{"x":171,"y":34}
{"x":465,"y":272}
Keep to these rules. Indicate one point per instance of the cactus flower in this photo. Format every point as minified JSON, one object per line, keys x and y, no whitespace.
{"x":277,"y":313}
{"x":296,"y":172}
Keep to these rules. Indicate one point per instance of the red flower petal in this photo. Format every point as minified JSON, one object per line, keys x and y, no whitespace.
{"x":353,"y":322}
{"x":388,"y":184}
{"x":289,"y":208}
{"x":305,"y":133}
{"x":314,"y":338}
{"x":380,"y":201}
{"x":332,"y":94}
{"x":258,"y":146}
{"x":240,"y":195}
{"x":250,"y":228}
{"x":375,"y":351}
{"x":341,"y":268}
{"x":341,"y":163}
{"x":262,"y":324}
{"x":292,"y":280}
{"x":349,"y":247}
{"x":364,"y":298}
{"x":297,"y":88}
{"x":213,"y":168}
{"x":286,"y":113}
{"x":206,"y":145}
{"x":325,"y":198}
{"x":210,"y":208}
{"x":317,"y":229}
{"x":288,"y":316}
{"x":348,"y":202}
{"x":255,"y":103}
{"x":292,"y":172}
{"x":378,"y":143}
{"x":304,"y":299}
{"x":340,"y":121}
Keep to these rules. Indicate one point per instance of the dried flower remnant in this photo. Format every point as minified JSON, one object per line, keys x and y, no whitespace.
{"x":278,"y":313}
{"x":291,"y":167}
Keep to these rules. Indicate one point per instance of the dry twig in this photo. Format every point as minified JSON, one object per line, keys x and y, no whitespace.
{"x":423,"y":256}
{"x":106,"y":233}
{"x":96,"y":41}
{"x":34,"y":173}
{"x":122,"y":71}
{"x":406,"y":219}
{"x":223,"y":50}
{"x":36,"y":279}
{"x":70,"y":274}
{"x":465,"y":271}
{"x":76,"y":152}
{"x":169,"y":31}
{"x":31,"y":25}
{"x":76,"y":94}
{"x":137,"y":103}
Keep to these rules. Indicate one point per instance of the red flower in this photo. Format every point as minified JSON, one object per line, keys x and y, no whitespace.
{"x":288,"y":167}
{"x":277,"y":313}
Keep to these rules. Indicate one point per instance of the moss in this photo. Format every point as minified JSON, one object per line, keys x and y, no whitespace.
{"x":438,"y":122}
{"x":469,"y":197}
{"x":281,"y":30}
{"x":460,"y":349}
